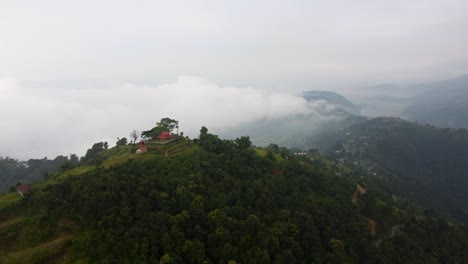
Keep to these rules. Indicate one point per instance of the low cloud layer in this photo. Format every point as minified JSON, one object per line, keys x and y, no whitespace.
{"x":47,"y":121}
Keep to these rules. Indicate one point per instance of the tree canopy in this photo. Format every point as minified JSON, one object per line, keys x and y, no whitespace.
{"x":166,"y":124}
{"x":223,"y":201}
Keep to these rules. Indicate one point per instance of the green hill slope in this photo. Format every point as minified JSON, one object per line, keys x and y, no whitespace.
{"x":217,"y":201}
{"x":422,"y":163}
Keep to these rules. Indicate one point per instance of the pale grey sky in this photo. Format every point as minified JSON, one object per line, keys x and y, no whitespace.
{"x":279,"y":44}
{"x":76,"y":72}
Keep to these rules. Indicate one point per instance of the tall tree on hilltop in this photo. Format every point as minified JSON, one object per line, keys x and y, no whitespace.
{"x":92,"y":152}
{"x":168,"y":123}
{"x":134,"y":135}
{"x":165,"y":125}
{"x":121,"y":141}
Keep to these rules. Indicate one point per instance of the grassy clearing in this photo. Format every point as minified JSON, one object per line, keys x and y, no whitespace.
{"x":80,"y":170}
{"x":34,"y":241}
{"x":187,"y":150}
{"x":263,"y":153}
{"x":39,"y":254}
{"x":73,"y":172}
{"x":116,"y":151}
{"x":9,"y":199}
{"x":11,"y":221}
{"x":117,"y":160}
{"x":122,"y":154}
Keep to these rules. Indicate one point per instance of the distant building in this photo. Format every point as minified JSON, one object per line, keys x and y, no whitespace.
{"x":141,"y":150}
{"x":300,"y":153}
{"x":23,"y":188}
{"x":164,"y":135}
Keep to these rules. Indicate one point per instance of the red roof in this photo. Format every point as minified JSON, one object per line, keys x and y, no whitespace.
{"x":164,"y":135}
{"x":24,"y":188}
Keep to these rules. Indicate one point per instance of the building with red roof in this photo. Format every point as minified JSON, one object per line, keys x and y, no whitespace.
{"x":23,"y":188}
{"x":164,"y":135}
{"x":141,"y":150}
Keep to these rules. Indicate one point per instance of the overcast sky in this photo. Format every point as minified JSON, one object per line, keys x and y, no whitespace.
{"x":274,"y":47}
{"x":243,"y":42}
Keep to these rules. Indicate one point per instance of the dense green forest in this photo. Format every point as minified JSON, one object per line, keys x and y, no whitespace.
{"x":422,"y":163}
{"x":218,"y":201}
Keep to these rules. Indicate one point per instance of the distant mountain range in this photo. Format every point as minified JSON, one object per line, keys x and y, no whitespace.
{"x":445,"y":105}
{"x":331,"y":112}
{"x":332,"y":98}
{"x":441,"y":103}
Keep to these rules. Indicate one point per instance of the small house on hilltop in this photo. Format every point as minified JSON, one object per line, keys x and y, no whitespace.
{"x":300,"y":153}
{"x":164,"y":135}
{"x":141,"y":150}
{"x":23,"y":188}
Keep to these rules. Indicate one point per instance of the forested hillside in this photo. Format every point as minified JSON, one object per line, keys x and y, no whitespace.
{"x":13,"y":171}
{"x":419,"y":162}
{"x":219,"y":201}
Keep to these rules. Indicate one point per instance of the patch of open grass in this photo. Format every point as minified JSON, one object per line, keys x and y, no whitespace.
{"x":38,"y":254}
{"x":117,"y":160}
{"x":263,"y":153}
{"x":11,"y":221}
{"x":35,"y":240}
{"x":187,"y":150}
{"x":117,"y":151}
{"x":119,"y":155}
{"x":73,"y":172}
{"x":81,"y":170}
{"x":9,"y":199}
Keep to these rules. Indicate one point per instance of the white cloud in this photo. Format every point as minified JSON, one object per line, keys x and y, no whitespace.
{"x":50,"y":121}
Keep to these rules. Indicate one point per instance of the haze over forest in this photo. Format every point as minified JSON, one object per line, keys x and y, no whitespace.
{"x":75,"y":74}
